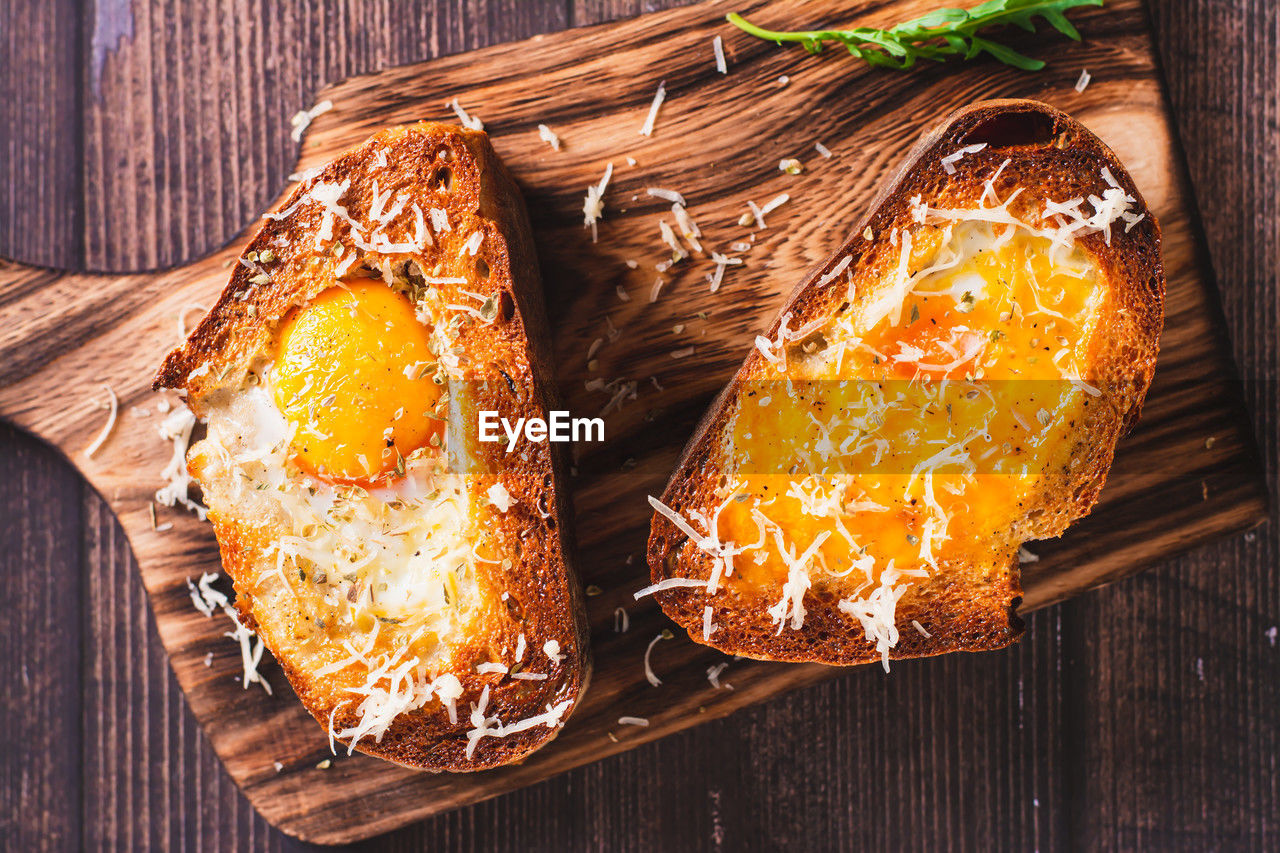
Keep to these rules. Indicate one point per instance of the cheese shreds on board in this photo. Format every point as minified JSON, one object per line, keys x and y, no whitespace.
{"x":209,"y":600}
{"x":822,"y":149}
{"x":648,"y":669}
{"x":177,"y":428}
{"x":593,"y":206}
{"x":549,"y":136}
{"x":774,"y":203}
{"x":633,"y":721}
{"x":1083,"y":82}
{"x":717,"y":47}
{"x":666,"y":195}
{"x":621,"y":621}
{"x":678,"y":252}
{"x":721,"y":261}
{"x":688,"y":228}
{"x":113,"y":409}
{"x":302,"y":119}
{"x":469,"y":121}
{"x":658,"y":97}
{"x":713,"y":675}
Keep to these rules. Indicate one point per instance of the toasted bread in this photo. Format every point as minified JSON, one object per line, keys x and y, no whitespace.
{"x":413,"y":581}
{"x":949,"y":384}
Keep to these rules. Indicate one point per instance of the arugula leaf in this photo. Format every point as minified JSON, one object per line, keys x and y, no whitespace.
{"x":937,"y":35}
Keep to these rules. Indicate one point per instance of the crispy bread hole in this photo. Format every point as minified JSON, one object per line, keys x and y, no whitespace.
{"x":482,"y":268}
{"x":442,"y":179}
{"x":506,"y":307}
{"x":1014,"y":130}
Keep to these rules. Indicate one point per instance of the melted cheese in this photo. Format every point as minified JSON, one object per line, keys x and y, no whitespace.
{"x":877,"y":446}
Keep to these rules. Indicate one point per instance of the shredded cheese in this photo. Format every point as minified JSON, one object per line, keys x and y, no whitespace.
{"x":593,"y":206}
{"x":549,"y":136}
{"x":113,"y":408}
{"x":649,"y":674}
{"x":302,"y":119}
{"x":469,"y":121}
{"x":658,"y":97}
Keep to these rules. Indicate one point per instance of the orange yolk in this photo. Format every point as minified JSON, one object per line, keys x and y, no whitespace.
{"x":352,"y":374}
{"x":1003,"y":346}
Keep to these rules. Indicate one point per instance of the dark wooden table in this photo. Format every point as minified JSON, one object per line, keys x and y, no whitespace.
{"x":1144,"y":715}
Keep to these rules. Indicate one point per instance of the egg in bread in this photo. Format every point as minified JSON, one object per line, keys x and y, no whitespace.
{"x":949,"y":384}
{"x":412,"y":581}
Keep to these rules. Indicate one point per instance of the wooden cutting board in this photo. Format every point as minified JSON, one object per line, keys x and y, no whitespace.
{"x":1188,"y":474}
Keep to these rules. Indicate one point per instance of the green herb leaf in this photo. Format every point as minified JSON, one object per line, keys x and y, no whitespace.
{"x":938,"y":35}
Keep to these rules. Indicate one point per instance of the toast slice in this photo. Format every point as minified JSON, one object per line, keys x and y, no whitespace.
{"x":949,"y":384}
{"x":412,"y":580}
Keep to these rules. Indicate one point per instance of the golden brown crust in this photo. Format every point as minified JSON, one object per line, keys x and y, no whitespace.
{"x":962,"y":607}
{"x":456,"y":170}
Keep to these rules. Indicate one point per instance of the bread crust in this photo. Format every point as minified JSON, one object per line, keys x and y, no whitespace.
{"x":961,"y":607}
{"x":460,"y":172}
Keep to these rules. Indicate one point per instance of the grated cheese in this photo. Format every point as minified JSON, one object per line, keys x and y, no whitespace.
{"x":666,"y":195}
{"x":302,"y":119}
{"x":483,"y":726}
{"x":669,"y":583}
{"x":500,"y":497}
{"x":1083,"y":82}
{"x":593,"y":206}
{"x":177,"y":428}
{"x":549,"y":136}
{"x":949,"y":162}
{"x":633,"y":721}
{"x":717,"y":47}
{"x":649,"y":674}
{"x":658,"y":97}
{"x":113,"y":406}
{"x":713,"y":675}
{"x":208,"y":601}
{"x":470,"y":122}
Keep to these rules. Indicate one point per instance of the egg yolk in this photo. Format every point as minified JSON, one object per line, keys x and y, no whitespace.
{"x":353,"y":373}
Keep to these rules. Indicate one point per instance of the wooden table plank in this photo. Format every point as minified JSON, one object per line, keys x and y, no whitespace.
{"x":39,"y":158}
{"x":795,"y":771}
{"x":1177,"y":678}
{"x":40,"y":639}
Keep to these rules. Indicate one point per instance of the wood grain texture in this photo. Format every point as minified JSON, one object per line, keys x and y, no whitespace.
{"x":714,"y":778}
{"x":513,"y":87}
